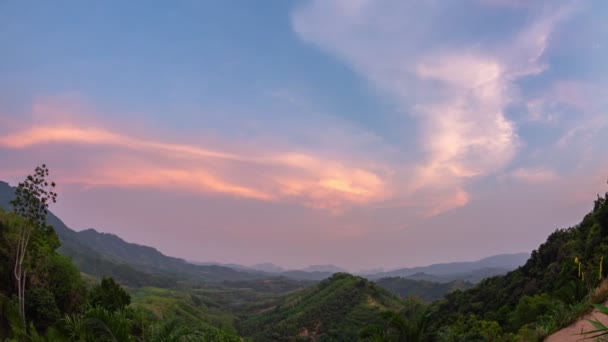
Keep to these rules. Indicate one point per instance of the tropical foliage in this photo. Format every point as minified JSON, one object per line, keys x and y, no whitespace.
{"x":334,"y":310}
{"x":45,"y":295}
{"x":427,"y":291}
{"x":554,"y":287}
{"x":50,"y":299}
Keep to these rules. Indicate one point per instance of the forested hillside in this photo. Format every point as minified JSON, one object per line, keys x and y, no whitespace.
{"x":467,"y":270}
{"x":554,"y":287}
{"x":43,"y":296}
{"x":427,"y":291}
{"x":77,"y":294}
{"x":102,"y":254}
{"x":334,"y":310}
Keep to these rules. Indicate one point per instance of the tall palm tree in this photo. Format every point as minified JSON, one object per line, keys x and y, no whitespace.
{"x":96,"y":324}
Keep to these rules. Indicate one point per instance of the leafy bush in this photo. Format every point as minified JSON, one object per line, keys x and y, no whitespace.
{"x":41,"y":308}
{"x":109,"y":295}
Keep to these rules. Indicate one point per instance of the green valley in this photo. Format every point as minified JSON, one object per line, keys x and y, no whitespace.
{"x":76,"y":281}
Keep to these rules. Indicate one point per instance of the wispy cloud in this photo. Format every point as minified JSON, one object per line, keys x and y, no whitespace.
{"x":458,"y":90}
{"x":94,"y":136}
{"x":419,"y":119}
{"x":125,"y":160}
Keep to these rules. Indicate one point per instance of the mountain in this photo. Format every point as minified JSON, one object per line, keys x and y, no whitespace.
{"x":561,"y":273}
{"x":303,"y":275}
{"x":500,"y":264}
{"x":477,"y":275}
{"x":102,"y":254}
{"x":229,"y":265}
{"x":324,"y":268}
{"x":334,"y":310}
{"x":474,"y":276}
{"x":267,"y":267}
{"x":427,"y":291}
{"x":421,"y":276}
{"x":147,"y":258}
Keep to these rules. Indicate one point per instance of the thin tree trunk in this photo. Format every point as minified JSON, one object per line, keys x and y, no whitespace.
{"x":20,"y":274}
{"x":17,"y":272}
{"x":23,"y":300}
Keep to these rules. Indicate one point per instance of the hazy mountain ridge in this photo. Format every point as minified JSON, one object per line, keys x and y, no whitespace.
{"x":267,"y":267}
{"x":474,"y":276}
{"x":553,"y":277}
{"x":493,"y":265}
{"x":336,"y":308}
{"x":324,"y":268}
{"x":102,"y":254}
{"x":99,"y":253}
{"x":312,"y":272}
{"x":427,"y":291}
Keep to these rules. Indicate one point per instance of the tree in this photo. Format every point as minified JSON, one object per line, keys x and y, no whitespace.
{"x":94,"y":325}
{"x":32,"y":198}
{"x":42,"y":308}
{"x":173,"y":329}
{"x":65,"y":283}
{"x":398,"y":327}
{"x":109,"y":295}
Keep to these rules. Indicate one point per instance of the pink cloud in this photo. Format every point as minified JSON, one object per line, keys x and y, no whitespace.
{"x":458,"y":93}
{"x":96,"y":136}
{"x":166,"y":179}
{"x":123,"y":160}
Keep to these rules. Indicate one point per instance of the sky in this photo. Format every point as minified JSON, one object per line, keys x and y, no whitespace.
{"x":361,"y":133}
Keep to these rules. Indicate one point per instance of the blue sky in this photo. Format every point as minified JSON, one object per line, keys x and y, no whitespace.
{"x":304,"y":132}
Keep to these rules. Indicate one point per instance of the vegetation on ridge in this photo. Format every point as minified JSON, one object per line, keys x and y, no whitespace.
{"x":50,"y":300}
{"x":334,"y":310}
{"x":547,"y":292}
{"x":54,"y":301}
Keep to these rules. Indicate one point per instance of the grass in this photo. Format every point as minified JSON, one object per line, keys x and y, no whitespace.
{"x":567,"y":315}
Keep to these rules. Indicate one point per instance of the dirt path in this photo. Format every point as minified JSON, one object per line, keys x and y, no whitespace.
{"x":573,"y":332}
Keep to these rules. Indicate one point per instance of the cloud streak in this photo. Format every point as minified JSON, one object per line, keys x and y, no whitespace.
{"x":129,"y":161}
{"x":418,"y":120}
{"x":458,"y":91}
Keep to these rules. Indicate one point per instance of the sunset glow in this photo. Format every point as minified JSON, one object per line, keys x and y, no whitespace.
{"x":306,"y":132}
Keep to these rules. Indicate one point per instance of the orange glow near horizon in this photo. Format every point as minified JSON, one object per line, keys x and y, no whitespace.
{"x":320,"y":182}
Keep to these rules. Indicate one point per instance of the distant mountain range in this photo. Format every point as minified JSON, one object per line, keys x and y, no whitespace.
{"x":324,"y":268}
{"x":101,"y":254}
{"x":472,"y":271}
{"x":468,"y":271}
{"x":267,"y":267}
{"x":471,"y":277}
{"x":427,"y":291}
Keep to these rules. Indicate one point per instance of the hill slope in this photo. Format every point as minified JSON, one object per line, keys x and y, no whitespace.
{"x":336,"y":309}
{"x":102,"y":254}
{"x":548,"y":281}
{"x":471,"y":277}
{"x":427,"y":291}
{"x":147,"y":258}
